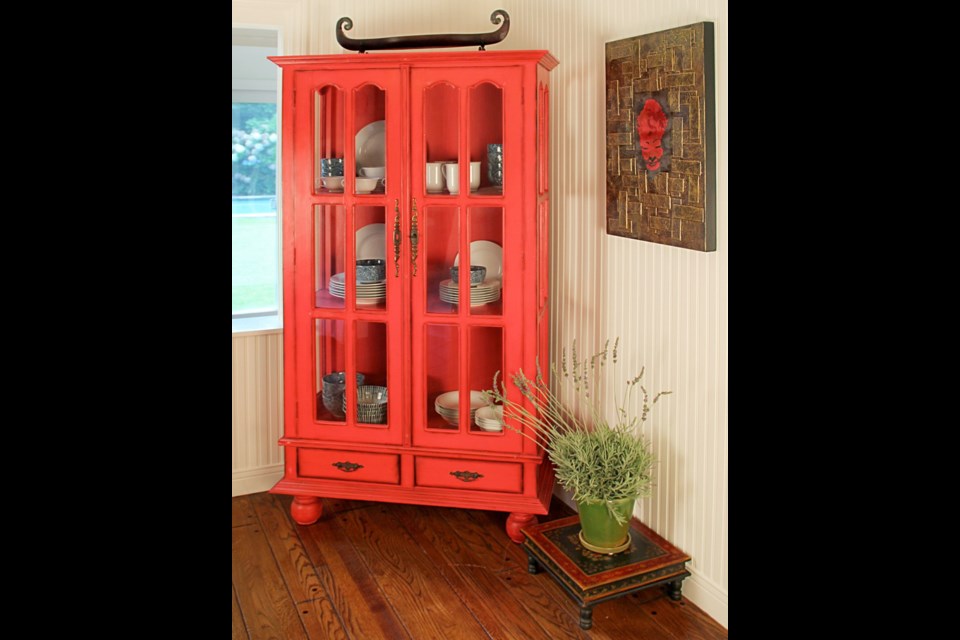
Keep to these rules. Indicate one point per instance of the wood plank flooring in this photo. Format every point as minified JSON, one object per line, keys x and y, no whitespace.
{"x":378,"y":570}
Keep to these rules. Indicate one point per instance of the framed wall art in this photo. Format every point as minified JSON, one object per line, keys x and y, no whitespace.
{"x":661,"y":138}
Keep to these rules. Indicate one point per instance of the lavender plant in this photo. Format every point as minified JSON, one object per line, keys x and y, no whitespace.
{"x":598,"y":461}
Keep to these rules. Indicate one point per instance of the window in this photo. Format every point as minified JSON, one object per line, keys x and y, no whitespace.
{"x":254,"y":146}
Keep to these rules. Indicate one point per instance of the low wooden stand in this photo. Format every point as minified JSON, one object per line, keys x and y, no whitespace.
{"x":590,"y":578}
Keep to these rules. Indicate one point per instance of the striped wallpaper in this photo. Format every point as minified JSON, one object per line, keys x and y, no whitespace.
{"x":667,"y":305}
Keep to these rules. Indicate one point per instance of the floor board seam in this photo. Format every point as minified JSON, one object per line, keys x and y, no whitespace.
{"x":243,"y":618}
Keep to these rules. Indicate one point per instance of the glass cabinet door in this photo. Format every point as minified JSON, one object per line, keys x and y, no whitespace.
{"x":465,"y":299}
{"x":350,"y":306}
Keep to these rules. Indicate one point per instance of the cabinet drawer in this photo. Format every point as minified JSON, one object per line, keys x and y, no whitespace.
{"x":349,"y":465}
{"x":475,"y":475}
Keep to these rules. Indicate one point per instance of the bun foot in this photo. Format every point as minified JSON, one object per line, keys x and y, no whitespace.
{"x":515,"y":522}
{"x":306,"y":509}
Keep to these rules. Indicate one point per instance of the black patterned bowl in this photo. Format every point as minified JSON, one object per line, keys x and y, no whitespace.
{"x":371,"y":270}
{"x":477,"y":273}
{"x":334,"y":385}
{"x":371,"y":404}
{"x":495,"y":164}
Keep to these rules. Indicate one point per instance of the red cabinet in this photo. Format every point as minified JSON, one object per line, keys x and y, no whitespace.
{"x":443,"y":158}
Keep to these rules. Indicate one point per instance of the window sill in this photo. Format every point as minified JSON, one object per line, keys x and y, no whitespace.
{"x":256,"y":325}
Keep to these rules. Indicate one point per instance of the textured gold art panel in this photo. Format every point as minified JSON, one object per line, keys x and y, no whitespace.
{"x":661,"y":138}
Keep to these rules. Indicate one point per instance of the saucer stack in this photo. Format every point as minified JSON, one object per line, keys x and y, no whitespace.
{"x":490,"y":418}
{"x":483,"y":293}
{"x":367,"y":292}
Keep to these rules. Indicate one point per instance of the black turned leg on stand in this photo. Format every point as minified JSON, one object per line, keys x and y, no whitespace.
{"x":532,"y":566}
{"x":673,"y":589}
{"x":586,"y":617}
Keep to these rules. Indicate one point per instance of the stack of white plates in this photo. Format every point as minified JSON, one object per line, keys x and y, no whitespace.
{"x":448,"y":405}
{"x":483,"y":293}
{"x":368,"y":292}
{"x":490,"y":418}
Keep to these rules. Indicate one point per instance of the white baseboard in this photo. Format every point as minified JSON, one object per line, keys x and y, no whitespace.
{"x":256,"y":480}
{"x":706,"y":595}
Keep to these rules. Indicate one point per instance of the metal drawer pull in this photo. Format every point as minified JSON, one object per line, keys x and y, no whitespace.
{"x":396,"y":236}
{"x":414,"y":237}
{"x":347,"y":467}
{"x":466,"y":476}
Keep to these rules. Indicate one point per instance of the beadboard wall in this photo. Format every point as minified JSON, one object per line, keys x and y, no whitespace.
{"x":257,"y":411}
{"x":667,"y":305}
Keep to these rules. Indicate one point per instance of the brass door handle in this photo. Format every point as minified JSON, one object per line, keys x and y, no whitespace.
{"x":414,"y":238}
{"x":396,"y":236}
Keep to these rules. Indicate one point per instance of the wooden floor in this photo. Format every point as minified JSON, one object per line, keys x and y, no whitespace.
{"x":376,"y":570}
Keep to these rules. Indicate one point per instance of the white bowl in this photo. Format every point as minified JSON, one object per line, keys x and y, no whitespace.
{"x":373,"y":172}
{"x":366,"y":185}
{"x":334,"y":183}
{"x":451,"y":401}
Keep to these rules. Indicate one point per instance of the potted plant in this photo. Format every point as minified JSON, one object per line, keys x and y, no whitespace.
{"x":605,"y":464}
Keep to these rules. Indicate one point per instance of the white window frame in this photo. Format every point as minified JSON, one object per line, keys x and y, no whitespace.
{"x":247,"y":90}
{"x":289,"y":19}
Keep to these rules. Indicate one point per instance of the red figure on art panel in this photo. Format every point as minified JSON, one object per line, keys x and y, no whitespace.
{"x":651,"y":125}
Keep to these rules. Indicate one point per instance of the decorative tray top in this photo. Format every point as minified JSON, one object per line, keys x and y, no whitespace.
{"x":424,"y":41}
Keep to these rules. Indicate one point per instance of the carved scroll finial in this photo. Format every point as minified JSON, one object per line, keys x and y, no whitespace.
{"x":425,"y":41}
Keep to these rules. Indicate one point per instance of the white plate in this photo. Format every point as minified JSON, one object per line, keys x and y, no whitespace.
{"x":474,"y":294}
{"x":370,"y":241}
{"x":472,"y":303}
{"x":473,"y":299}
{"x":491,"y":286}
{"x":339,"y":280}
{"x":491,"y":413}
{"x":486,"y":253}
{"x":372,"y":145}
{"x":360,"y":299}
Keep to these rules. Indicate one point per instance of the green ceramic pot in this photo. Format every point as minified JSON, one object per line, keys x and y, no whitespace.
{"x":599,"y":528}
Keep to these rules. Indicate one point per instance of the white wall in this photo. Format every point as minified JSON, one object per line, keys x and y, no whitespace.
{"x":668,"y":305}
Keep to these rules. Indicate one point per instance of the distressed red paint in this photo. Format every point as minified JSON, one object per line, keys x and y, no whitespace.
{"x":407,"y":460}
{"x":651,"y":125}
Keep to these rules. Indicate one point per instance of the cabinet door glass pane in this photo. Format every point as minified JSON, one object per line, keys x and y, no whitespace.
{"x":329,"y":255}
{"x":331,"y":376}
{"x":441,"y":245}
{"x":441,"y":127}
{"x":442,"y":354}
{"x":370,"y":142}
{"x":486,"y":358}
{"x":328,"y":141}
{"x":486,"y":139}
{"x":371,"y":407}
{"x":486,"y":252}
{"x":370,"y":270}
